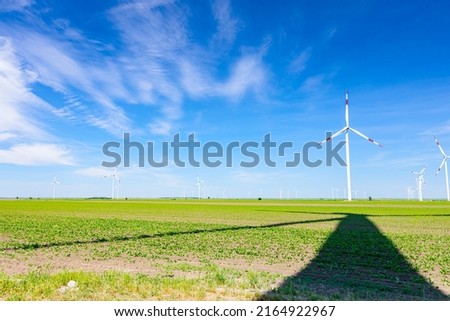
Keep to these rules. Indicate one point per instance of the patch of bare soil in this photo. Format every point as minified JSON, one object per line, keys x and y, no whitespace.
{"x":438,"y":280}
{"x":4,"y":238}
{"x":44,"y":261}
{"x":51,"y":263}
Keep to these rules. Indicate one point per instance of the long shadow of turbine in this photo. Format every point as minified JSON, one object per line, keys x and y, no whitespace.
{"x":120,"y":238}
{"x":357,"y":262}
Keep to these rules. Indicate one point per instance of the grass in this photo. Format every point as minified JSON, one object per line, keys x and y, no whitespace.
{"x":212,"y":249}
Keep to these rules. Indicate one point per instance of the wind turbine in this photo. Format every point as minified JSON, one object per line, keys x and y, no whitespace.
{"x":199,"y":184}
{"x":410,"y":192}
{"x":205,"y":190}
{"x":444,"y":162}
{"x":119,"y":183}
{"x":114,"y":179}
{"x":420,"y":181}
{"x":346,"y":130}
{"x":54,"y":183}
{"x":334,"y":192}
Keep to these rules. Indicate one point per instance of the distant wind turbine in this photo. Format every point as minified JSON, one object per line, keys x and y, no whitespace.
{"x":199,"y":185}
{"x":114,"y":179}
{"x":420,"y":182}
{"x":346,"y":130}
{"x":444,"y":163}
{"x":54,"y":183}
{"x":334,"y":192}
{"x":410,"y":192}
{"x":119,"y":183}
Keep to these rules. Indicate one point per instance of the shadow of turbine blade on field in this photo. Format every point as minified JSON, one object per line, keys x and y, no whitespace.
{"x":357,"y":262}
{"x":119,"y":238}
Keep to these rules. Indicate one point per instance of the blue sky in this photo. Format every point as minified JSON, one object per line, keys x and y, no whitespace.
{"x":77,"y":74}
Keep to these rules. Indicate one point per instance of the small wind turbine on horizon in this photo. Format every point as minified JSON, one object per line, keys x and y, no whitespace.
{"x":409,"y":192}
{"x":444,"y":163}
{"x":346,"y":130}
{"x":54,"y":183}
{"x":205,"y":190}
{"x":420,"y":182}
{"x":199,"y":185}
{"x":119,"y":183}
{"x":334,"y":192}
{"x":114,"y":179}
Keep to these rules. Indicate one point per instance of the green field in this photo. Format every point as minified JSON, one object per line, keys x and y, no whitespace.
{"x":224,"y":250}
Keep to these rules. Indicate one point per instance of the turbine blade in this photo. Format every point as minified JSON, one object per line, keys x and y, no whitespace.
{"x":347,"y":118}
{"x":423,"y":170}
{"x":442,"y":164}
{"x":334,"y":135}
{"x":440,"y":147}
{"x":357,"y":132}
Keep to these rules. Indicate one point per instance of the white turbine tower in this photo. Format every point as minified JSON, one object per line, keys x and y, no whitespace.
{"x":409,"y":192}
{"x":114,"y":179}
{"x":199,"y":187}
{"x":420,"y":181}
{"x":205,"y":190}
{"x":346,"y":130}
{"x":444,"y":163}
{"x":119,"y":183}
{"x":334,"y":192}
{"x":54,"y":183}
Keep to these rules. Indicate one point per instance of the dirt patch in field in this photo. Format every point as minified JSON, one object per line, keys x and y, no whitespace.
{"x":12,"y":262}
{"x":435,"y":277}
{"x":4,"y":238}
{"x":43,"y":261}
{"x":52,"y":263}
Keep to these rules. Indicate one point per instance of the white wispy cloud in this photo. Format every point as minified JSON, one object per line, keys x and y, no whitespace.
{"x":6,"y":136}
{"x":195,"y":80}
{"x":36,"y":154}
{"x":171,"y":65}
{"x":14,"y":5}
{"x":315,"y":83}
{"x":95,"y":171}
{"x":227,"y":25}
{"x":155,"y":65}
{"x":298,"y":64}
{"x":248,"y":73}
{"x":442,"y":129}
{"x":19,"y":104}
{"x":57,"y":65}
{"x":161,"y":127}
{"x":152,"y":48}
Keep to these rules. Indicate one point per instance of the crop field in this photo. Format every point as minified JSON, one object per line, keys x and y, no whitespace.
{"x":224,"y":250}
